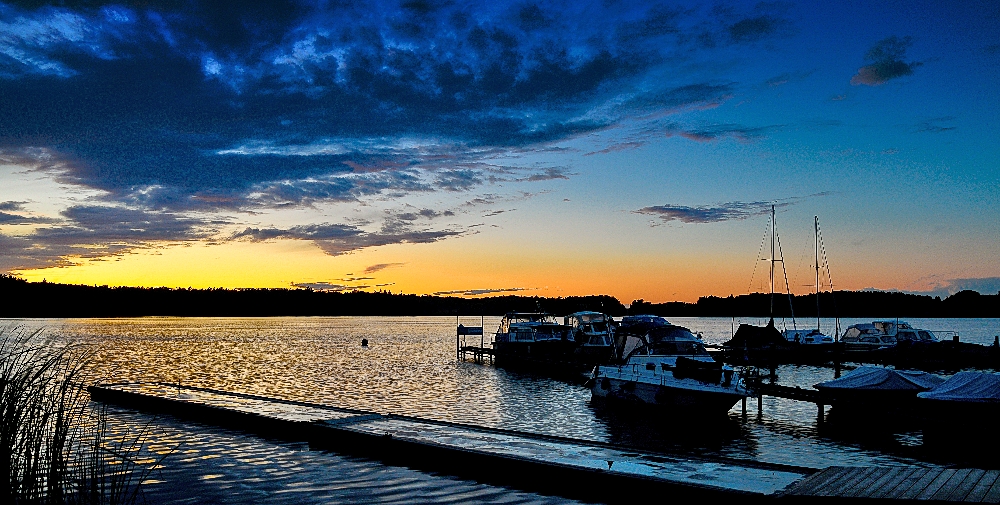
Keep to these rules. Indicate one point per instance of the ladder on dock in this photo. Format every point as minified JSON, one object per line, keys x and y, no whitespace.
{"x":463,"y":349}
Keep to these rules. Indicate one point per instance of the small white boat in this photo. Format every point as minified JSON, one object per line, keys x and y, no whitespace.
{"x":668,"y":366}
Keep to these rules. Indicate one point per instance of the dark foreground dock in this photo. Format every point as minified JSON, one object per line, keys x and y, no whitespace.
{"x":587,"y":470}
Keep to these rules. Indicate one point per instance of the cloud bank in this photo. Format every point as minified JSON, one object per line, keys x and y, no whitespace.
{"x":176,"y":112}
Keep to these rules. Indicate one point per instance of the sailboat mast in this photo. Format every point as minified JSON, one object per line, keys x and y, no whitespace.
{"x":773,"y":233}
{"x":816,"y":240}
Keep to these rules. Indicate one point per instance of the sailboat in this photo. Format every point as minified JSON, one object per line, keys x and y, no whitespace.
{"x":813,"y":336}
{"x":756,"y":342}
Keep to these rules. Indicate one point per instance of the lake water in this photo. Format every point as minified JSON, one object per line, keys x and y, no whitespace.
{"x":410,"y":368}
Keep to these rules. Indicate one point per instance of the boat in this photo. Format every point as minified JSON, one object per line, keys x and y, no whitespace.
{"x":813,"y":336}
{"x":667,"y":366}
{"x":962,"y":410}
{"x":875,"y":390}
{"x":532,"y":338}
{"x":593,"y":333}
{"x":883,"y":334}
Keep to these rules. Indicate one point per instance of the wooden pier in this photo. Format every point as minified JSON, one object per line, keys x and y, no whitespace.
{"x":572,"y":468}
{"x":568,"y":467}
{"x":906,"y":484}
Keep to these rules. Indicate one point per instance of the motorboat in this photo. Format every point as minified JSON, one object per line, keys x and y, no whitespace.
{"x":524,"y":338}
{"x":883,"y":334}
{"x":667,"y":366}
{"x":593,"y":333}
{"x":875,"y":390}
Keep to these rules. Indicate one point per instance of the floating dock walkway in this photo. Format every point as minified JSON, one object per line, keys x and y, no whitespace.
{"x":573,"y":468}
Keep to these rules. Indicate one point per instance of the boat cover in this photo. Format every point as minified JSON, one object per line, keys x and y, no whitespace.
{"x":756,"y":337}
{"x":973,"y":387}
{"x":884,"y":379}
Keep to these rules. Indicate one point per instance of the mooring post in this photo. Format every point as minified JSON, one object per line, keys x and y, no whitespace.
{"x":820,"y":413}
{"x":760,"y":404}
{"x":744,"y":407}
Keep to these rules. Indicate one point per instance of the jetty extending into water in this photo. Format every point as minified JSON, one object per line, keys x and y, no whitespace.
{"x":573,"y":468}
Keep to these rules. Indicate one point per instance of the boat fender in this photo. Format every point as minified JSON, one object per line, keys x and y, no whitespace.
{"x":650,"y":366}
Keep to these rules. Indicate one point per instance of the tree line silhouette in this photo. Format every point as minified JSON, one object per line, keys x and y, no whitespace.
{"x":45,"y":299}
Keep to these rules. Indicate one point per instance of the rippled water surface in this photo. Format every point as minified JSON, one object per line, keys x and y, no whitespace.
{"x":410,"y":368}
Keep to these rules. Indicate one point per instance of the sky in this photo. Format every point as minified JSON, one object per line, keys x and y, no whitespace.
{"x":547,"y":148}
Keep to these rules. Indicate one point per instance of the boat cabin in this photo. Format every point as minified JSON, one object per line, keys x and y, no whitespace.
{"x":530,"y":327}
{"x":590,"y":328}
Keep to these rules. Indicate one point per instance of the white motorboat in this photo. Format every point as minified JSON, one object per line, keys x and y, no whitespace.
{"x":594,"y":334}
{"x":531,"y":338}
{"x":668,"y":366}
{"x":880,"y":334}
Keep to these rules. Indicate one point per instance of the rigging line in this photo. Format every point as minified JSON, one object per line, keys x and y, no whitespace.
{"x":756,"y":261}
{"x":791,"y":308}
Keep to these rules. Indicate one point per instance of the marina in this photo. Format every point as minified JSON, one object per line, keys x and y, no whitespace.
{"x":409,"y":373}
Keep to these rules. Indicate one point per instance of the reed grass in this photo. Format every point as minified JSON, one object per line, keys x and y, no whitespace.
{"x":55,"y":445}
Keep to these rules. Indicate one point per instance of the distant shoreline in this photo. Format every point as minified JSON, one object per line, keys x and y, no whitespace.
{"x":52,"y":300}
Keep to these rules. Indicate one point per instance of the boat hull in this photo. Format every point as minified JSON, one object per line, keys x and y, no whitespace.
{"x":688,"y":395}
{"x":561,"y":354}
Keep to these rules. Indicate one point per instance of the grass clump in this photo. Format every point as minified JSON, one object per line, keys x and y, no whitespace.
{"x":55,"y":446}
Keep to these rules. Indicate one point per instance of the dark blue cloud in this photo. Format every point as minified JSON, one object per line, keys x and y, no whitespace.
{"x":885,"y":61}
{"x":721,"y":212}
{"x":171,"y":107}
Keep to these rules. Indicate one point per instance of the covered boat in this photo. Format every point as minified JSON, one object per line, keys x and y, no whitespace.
{"x":963,"y":409}
{"x":877,"y":389}
{"x":966,"y":388}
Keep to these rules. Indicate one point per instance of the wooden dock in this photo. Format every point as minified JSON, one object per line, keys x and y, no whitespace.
{"x":567,"y":467}
{"x":898,"y":484}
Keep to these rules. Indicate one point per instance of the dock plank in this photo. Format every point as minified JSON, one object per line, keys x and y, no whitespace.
{"x":810,"y":484}
{"x":952,"y":485}
{"x":920,"y":485}
{"x":935,"y":485}
{"x":860,"y":488}
{"x":907,"y":483}
{"x":847,"y":474}
{"x":978,"y":492}
{"x":898,"y":477}
{"x":993,"y":495}
{"x":890,"y":477}
{"x":837,"y":488}
{"x":963,"y":488}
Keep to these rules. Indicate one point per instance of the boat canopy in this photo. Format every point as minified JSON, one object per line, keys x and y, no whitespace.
{"x":971,"y":387}
{"x":755,"y":337}
{"x":668,"y":340}
{"x":885,"y":379}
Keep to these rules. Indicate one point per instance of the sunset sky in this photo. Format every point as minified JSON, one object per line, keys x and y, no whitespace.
{"x":538,"y":148}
